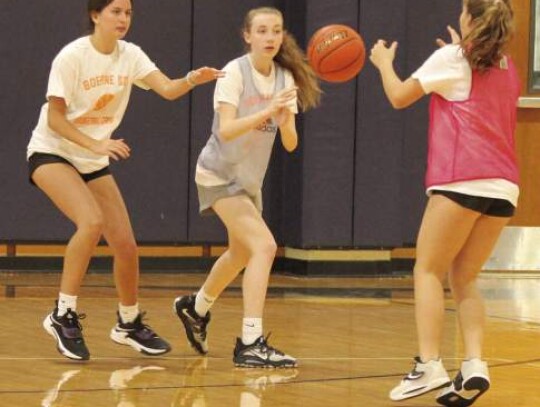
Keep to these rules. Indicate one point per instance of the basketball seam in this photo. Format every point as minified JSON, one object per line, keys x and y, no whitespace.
{"x":330,"y":55}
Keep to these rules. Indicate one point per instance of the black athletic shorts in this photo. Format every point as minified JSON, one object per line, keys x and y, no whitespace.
{"x":38,"y":159}
{"x":487,"y":206}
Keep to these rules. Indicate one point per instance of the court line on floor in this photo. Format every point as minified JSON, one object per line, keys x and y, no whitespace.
{"x":241,"y":385}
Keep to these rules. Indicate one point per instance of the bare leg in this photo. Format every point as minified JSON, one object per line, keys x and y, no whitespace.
{"x":444,"y":230}
{"x":119,"y":235}
{"x":226,"y":268}
{"x":64,"y":186}
{"x":469,"y":262}
{"x":246,"y":226}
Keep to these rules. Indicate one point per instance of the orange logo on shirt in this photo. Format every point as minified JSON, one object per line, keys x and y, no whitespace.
{"x":103,"y":101}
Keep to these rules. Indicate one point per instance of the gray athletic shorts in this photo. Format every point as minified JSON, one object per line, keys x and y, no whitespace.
{"x":209,"y":195}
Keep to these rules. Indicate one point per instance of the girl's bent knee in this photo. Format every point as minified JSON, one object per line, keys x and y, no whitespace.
{"x":126,"y":248}
{"x":268,"y":248}
{"x":93,"y":227}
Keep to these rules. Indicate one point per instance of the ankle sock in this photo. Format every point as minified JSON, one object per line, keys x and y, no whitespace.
{"x":66,"y":301}
{"x":128,"y":313}
{"x":203,"y":302}
{"x":252,"y":329}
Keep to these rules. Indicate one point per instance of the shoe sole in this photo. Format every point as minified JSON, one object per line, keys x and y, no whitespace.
{"x":454,"y":399}
{"x":47,"y":325}
{"x":122,"y":339}
{"x":265,"y":366}
{"x":438,"y":385}
{"x":191,"y":340}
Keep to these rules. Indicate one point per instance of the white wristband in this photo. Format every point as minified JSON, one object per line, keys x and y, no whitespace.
{"x":190,"y":81}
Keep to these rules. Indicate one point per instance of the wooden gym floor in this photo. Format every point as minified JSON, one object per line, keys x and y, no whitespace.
{"x":354,"y":339}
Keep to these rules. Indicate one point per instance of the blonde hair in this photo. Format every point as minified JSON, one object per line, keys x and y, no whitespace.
{"x":492,"y":26}
{"x":292,"y":58}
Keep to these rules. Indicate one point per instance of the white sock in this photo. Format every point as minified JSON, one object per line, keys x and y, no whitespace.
{"x":66,"y":301}
{"x":128,"y":313}
{"x":252,"y":329}
{"x":203,"y":302}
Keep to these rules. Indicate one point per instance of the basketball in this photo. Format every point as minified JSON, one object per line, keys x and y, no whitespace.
{"x":336,"y":53}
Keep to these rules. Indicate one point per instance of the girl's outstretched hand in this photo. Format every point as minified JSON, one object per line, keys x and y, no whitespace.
{"x":205,"y":74}
{"x":454,"y":36}
{"x":381,"y":53}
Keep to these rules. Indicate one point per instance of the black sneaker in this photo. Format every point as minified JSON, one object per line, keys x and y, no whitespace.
{"x":194,"y":324}
{"x":260,"y":354}
{"x":68,"y":334}
{"x":139,"y":336}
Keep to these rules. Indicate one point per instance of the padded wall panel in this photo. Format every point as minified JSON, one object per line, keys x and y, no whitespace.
{"x":31,"y":40}
{"x":328,"y":151}
{"x":378,"y":160}
{"x":155,"y":179}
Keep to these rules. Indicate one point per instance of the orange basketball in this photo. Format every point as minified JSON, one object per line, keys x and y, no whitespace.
{"x":336,"y":53}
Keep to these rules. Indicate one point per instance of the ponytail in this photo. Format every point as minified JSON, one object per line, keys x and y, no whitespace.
{"x":492,"y":28}
{"x":291,"y":57}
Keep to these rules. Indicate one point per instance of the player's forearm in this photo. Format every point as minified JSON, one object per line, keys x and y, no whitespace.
{"x":392,"y":85}
{"x":235,"y":128}
{"x":61,"y":126}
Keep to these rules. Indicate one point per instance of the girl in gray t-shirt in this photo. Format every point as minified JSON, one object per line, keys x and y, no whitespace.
{"x":258,"y":95}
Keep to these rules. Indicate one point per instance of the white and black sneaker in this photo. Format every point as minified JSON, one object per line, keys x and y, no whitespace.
{"x":470,"y":383}
{"x":424,"y":377}
{"x":68,"y":334}
{"x":260,"y":354}
{"x":139,"y":336}
{"x":194,"y":324}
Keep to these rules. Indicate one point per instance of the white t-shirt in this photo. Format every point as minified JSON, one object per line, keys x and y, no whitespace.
{"x":448,"y":73}
{"x":96,"y":88}
{"x":229,"y":89}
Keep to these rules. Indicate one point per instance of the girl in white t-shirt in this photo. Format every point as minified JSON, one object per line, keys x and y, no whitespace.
{"x":471,"y":181}
{"x":257,"y":96}
{"x":89,"y":87}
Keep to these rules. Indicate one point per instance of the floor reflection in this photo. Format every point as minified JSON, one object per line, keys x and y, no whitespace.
{"x":512,"y":297}
{"x":250,"y":385}
{"x":53,"y":394}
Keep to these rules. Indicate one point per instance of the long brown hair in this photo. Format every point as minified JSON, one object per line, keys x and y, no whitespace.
{"x":292,"y":58}
{"x":492,"y":27}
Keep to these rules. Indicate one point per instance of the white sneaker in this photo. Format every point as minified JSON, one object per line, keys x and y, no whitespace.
{"x":424,"y":378}
{"x":470,"y":383}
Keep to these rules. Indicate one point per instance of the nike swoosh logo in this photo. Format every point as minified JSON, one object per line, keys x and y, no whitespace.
{"x":261,"y":355}
{"x":414,"y":375}
{"x":415,"y":389}
{"x":185,"y":312}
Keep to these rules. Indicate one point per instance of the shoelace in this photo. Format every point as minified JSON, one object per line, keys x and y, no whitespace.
{"x":267,"y":348}
{"x":71,"y":326}
{"x":73,"y":318}
{"x":414,"y":374}
{"x":138,"y":324}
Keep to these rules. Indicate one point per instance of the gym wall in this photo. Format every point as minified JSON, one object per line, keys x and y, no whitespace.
{"x":356,"y":179}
